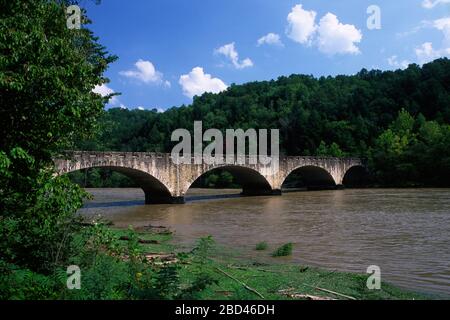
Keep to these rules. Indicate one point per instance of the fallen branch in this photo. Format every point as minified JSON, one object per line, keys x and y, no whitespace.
{"x":295,"y":295}
{"x":332,"y":292}
{"x":242,"y":283}
{"x":309,"y":297}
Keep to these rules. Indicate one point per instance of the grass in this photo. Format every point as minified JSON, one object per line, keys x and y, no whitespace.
{"x":261,"y":246}
{"x":283,"y":251}
{"x":269,"y":279}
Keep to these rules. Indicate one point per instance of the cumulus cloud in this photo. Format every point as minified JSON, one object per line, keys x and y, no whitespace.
{"x":430,"y":4}
{"x":301,"y":25}
{"x":145,"y":72}
{"x":444,"y":26}
{"x":231,"y":53}
{"x":104,"y":91}
{"x":197,"y":82}
{"x":426,"y":53}
{"x":394,"y":62}
{"x":335,"y":37}
{"x":270,"y":39}
{"x":330,"y":35}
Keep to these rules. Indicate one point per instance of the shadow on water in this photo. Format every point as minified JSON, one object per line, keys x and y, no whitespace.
{"x":212,"y":197}
{"x":113,"y":204}
{"x":193,"y":198}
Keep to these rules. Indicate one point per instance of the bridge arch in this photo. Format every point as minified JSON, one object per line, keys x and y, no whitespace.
{"x":310,"y":177}
{"x":251,"y":180}
{"x":155,"y":190}
{"x":355,"y":176}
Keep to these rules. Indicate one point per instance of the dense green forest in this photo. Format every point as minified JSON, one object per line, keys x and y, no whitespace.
{"x":399,"y":120}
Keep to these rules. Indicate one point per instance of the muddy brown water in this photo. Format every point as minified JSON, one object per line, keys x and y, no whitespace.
{"x":406,"y":232}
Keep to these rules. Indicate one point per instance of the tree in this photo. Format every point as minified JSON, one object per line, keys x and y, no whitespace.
{"x":47,"y":74}
{"x":412,"y":152}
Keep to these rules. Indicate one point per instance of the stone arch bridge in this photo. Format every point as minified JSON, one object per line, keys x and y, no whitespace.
{"x":163,"y":181}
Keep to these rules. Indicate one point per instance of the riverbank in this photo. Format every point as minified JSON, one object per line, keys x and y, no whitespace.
{"x":240,"y":278}
{"x":403,"y":231}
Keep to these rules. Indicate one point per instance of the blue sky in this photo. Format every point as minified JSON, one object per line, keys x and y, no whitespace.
{"x":170,"y":50}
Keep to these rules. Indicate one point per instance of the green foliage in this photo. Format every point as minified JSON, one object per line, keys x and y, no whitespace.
{"x":283,"y":251}
{"x":203,"y":249}
{"x":329,"y":151}
{"x":218,"y":179}
{"x":24,"y":284}
{"x":261,"y":246}
{"x":412,"y":152}
{"x":47,"y":73}
{"x":38,"y":237}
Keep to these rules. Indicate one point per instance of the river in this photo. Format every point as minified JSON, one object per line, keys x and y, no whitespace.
{"x":406,"y":232}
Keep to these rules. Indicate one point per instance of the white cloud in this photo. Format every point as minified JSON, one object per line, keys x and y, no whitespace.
{"x":104,"y":91}
{"x":123,"y":107}
{"x":198,"y":82}
{"x":270,"y":39}
{"x":337,"y":38}
{"x":426,"y":53}
{"x":394,"y":62}
{"x":430,"y":4}
{"x":140,"y":108}
{"x":145,"y":72}
{"x":301,"y":25}
{"x":444,"y":26}
{"x":231,"y":53}
{"x":330,"y":35}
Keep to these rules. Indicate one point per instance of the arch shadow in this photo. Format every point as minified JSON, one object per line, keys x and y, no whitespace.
{"x":308,"y":178}
{"x":251,"y":181}
{"x":356,"y":176}
{"x":155,"y":191}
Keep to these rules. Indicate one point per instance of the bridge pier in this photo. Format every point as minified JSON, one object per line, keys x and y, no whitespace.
{"x":151,"y":198}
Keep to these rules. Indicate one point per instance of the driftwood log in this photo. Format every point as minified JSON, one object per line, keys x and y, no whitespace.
{"x":290,"y":293}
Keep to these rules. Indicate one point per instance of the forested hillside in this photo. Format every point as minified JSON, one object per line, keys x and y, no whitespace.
{"x":357,"y":115}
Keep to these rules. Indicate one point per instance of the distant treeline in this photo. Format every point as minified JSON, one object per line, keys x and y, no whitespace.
{"x":399,"y":120}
